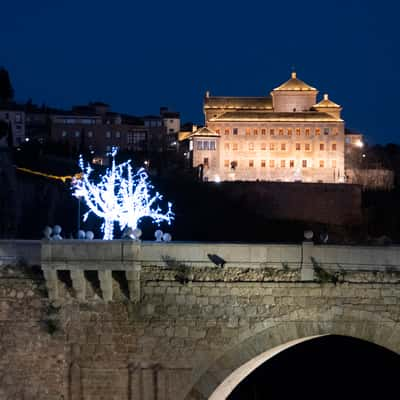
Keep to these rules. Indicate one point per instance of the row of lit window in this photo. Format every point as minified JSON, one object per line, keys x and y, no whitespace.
{"x":89,"y":134}
{"x":281,"y":147}
{"x":83,"y":121}
{"x":275,"y":164}
{"x":277,"y":131}
{"x":17,"y":117}
{"x":137,"y":138}
{"x":206,"y":145}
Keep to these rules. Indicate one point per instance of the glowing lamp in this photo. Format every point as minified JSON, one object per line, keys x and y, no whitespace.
{"x":359,"y":143}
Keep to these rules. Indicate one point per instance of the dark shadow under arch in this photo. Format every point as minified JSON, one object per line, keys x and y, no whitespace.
{"x":217,"y":379}
{"x":331,"y":366}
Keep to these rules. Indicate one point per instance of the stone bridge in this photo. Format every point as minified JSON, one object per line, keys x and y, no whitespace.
{"x":125,"y":320}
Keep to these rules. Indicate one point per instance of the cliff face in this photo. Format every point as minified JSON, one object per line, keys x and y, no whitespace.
{"x":230,"y":211}
{"x":29,"y":203}
{"x":243,"y":211}
{"x":9,"y":199}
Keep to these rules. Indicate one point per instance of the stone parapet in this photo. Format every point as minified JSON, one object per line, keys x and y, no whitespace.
{"x":105,"y":268}
{"x":20,"y":251}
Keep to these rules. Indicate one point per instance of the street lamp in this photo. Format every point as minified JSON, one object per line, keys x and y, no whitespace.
{"x":74,"y":182}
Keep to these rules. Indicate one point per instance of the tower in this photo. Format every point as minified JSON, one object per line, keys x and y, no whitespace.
{"x":293,"y":96}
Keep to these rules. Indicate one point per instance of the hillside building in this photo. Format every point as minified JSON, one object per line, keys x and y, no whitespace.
{"x":287,"y":136}
{"x":12,"y":117}
{"x":97,"y":128}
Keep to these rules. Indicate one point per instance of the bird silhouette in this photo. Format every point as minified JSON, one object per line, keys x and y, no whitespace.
{"x":217,"y":260}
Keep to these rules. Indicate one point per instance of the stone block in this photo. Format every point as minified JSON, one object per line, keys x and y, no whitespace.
{"x":173,"y":290}
{"x":181,"y":331}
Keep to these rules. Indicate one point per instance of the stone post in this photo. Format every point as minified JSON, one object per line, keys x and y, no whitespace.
{"x":135,"y":384}
{"x":162,"y":383}
{"x":149,"y":381}
{"x":307,"y":268}
{"x":133,"y":278}
{"x":75,"y":390}
{"x":106,"y":284}
{"x":79,"y":283}
{"x":51,"y":283}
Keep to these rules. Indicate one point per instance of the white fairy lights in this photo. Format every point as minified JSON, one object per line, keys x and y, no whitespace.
{"x":121,"y":196}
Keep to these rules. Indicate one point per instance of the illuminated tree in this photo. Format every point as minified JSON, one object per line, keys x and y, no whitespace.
{"x":121,"y":196}
{"x":136,"y":201}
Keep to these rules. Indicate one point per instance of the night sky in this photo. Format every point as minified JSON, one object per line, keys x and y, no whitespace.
{"x":138,"y":56}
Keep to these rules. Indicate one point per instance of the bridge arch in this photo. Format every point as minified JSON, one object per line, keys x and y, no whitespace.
{"x":269,"y":338}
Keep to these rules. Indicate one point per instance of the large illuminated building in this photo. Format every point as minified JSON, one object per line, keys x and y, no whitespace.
{"x":287,"y":136}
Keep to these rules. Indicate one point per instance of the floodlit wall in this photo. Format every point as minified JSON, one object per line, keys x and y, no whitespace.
{"x":81,"y":335}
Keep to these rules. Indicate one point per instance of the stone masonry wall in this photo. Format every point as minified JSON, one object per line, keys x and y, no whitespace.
{"x":182,"y":337}
{"x":33,"y":363}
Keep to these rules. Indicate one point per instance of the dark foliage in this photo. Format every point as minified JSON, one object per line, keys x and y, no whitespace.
{"x":6,"y":89}
{"x":382,"y":156}
{"x":204,"y":211}
{"x":4,"y":129}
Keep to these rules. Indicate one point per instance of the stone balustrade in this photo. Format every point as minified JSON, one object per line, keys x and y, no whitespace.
{"x":16,"y":251}
{"x":76,"y":264}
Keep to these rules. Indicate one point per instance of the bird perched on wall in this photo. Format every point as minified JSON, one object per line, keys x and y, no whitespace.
{"x":217,"y":260}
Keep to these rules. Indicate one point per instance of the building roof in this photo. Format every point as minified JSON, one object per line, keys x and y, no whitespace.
{"x":170,"y":114}
{"x":264,"y":103}
{"x":11,"y":106}
{"x":349,"y":131}
{"x":309,"y":116}
{"x":76,"y":113}
{"x":294,"y":84}
{"x":152,"y":117}
{"x":326,"y":103}
{"x":131,"y":120}
{"x":204,"y":132}
{"x":99,"y":104}
{"x":183,"y":135}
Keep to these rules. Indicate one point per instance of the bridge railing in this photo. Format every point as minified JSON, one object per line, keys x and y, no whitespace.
{"x":20,"y":251}
{"x":75,"y":262}
{"x":119,"y":252}
{"x":357,"y":258}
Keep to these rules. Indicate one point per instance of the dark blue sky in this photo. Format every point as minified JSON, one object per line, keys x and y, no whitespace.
{"x":138,"y":56}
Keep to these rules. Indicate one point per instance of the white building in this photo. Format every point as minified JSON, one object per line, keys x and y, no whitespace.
{"x":287,"y":136}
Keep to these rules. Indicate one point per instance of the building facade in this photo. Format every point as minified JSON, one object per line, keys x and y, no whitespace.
{"x":287,"y":136}
{"x":165,"y":129}
{"x":97,"y":129}
{"x":94,"y":127}
{"x":13,"y":121}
